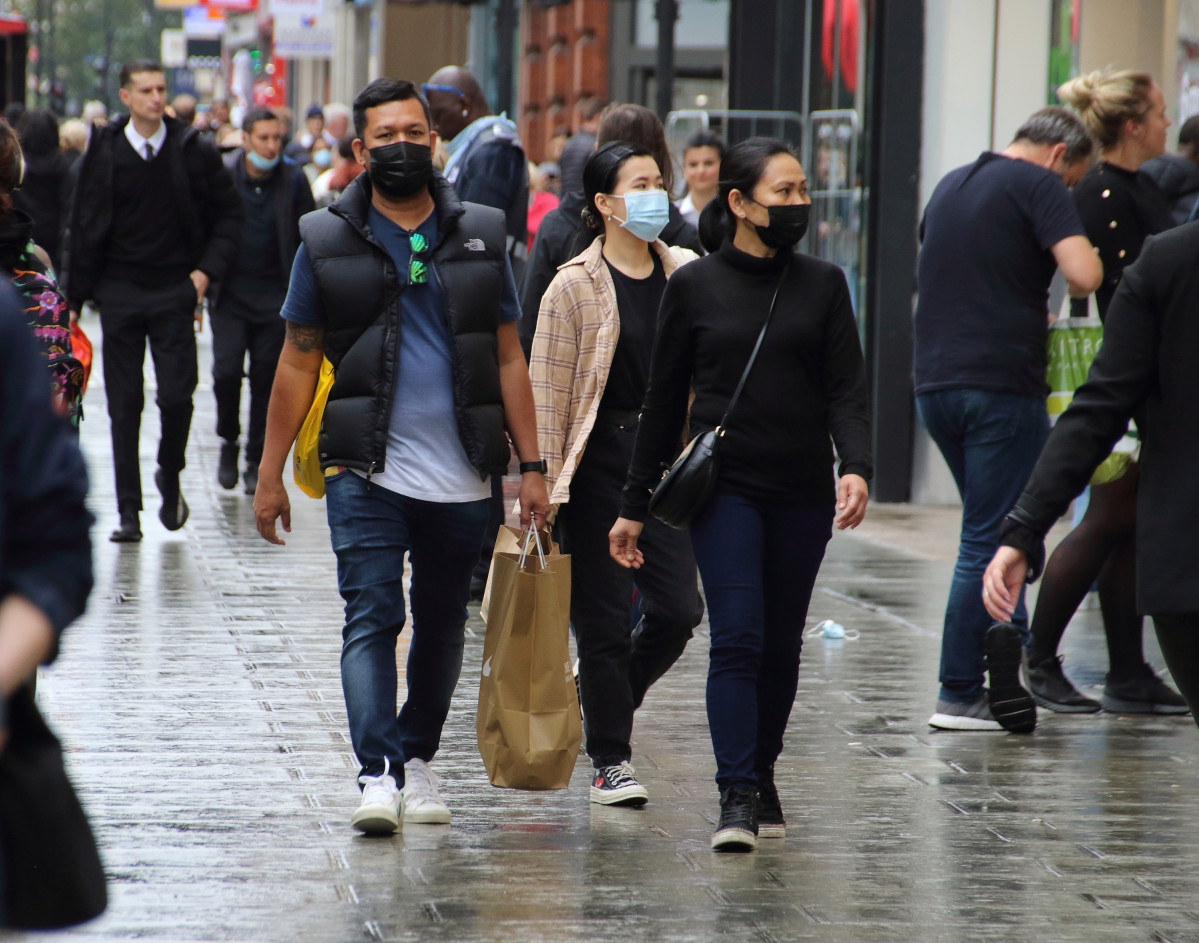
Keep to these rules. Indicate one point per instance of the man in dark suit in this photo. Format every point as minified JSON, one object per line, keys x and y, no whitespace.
{"x":1146,"y":366}
{"x":154,"y":220}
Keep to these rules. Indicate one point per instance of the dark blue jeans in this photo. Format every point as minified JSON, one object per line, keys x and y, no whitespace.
{"x":372,"y":529}
{"x":990,"y":442}
{"x":758,"y":564}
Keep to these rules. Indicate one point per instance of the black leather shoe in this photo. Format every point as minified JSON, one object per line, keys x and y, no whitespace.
{"x":226,"y":471}
{"x":130,"y":531}
{"x":174,"y":510}
{"x":250,"y":478}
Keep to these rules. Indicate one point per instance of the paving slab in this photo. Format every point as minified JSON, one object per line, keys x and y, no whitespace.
{"x":200,"y":703}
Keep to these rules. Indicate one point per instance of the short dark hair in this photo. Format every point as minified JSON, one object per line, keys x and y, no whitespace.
{"x":254,"y":115}
{"x":380,"y":92}
{"x":704,"y":138}
{"x":345,"y":147}
{"x":38,"y":132}
{"x":740,"y":169}
{"x":1189,"y":132}
{"x":133,"y":66}
{"x":1057,"y":125}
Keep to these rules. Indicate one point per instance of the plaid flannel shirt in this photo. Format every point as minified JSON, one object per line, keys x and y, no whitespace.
{"x":578,"y":326}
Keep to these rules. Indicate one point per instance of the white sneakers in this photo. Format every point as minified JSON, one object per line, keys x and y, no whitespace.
{"x":422,"y":799}
{"x":381,"y":812}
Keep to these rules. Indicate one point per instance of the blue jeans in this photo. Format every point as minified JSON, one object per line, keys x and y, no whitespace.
{"x":371,"y":529}
{"x":991,"y":442}
{"x":758,"y":563}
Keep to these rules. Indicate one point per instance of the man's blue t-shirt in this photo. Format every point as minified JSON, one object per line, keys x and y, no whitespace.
{"x":983,"y":276}
{"x":425,"y":457}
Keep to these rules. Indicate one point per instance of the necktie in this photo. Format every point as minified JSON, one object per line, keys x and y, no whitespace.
{"x":149,"y":151}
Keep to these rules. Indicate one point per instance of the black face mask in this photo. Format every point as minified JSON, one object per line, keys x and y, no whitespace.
{"x":787,"y":225}
{"x":399,"y":170}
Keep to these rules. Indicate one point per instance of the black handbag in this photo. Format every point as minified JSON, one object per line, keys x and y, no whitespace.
{"x":687,"y":484}
{"x":50,"y":870}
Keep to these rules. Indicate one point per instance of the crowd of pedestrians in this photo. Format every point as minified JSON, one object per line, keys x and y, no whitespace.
{"x":393,"y":240}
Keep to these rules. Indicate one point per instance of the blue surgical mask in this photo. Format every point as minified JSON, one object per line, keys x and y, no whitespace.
{"x":262,"y":163}
{"x":646,"y":213}
{"x":322,"y":159}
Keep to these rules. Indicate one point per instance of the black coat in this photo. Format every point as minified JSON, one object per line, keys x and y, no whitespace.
{"x":45,"y":194}
{"x":201,"y":187}
{"x":558,"y":242}
{"x":293,"y":198}
{"x":1147,"y":363}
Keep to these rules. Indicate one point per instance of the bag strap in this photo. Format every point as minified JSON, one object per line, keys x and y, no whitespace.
{"x":720,"y":429}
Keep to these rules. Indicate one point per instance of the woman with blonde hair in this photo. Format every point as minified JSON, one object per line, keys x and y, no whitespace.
{"x":1120,"y":207}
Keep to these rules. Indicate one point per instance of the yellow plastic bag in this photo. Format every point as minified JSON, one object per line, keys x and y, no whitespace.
{"x":306,"y":459}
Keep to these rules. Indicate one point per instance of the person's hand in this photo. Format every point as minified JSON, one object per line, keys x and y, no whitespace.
{"x":200,"y":280}
{"x":852,"y":496}
{"x":622,"y":543}
{"x":271,"y":503}
{"x":1002,"y":581}
{"x":534,"y":500}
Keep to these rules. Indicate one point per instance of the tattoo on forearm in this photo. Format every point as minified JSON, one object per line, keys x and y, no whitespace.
{"x":305,"y":337}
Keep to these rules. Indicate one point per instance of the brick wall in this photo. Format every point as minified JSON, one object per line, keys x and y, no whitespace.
{"x":565,"y":58}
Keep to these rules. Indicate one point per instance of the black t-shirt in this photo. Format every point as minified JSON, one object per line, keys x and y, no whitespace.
{"x":637,"y":302}
{"x":983,"y":276}
{"x":806,"y":392}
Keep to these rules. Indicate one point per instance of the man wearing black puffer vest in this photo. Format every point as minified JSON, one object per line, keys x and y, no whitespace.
{"x":409,"y":294}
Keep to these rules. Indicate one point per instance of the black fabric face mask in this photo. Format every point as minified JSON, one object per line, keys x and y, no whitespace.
{"x":787,"y":225}
{"x":399,"y":170}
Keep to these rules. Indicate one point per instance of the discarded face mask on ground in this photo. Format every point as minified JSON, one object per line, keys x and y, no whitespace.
{"x":830,"y":629}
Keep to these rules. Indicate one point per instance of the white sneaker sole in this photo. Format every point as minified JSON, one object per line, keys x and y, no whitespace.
{"x":628,"y":795}
{"x":427,"y":815}
{"x":376,"y":820}
{"x":957,"y":722}
{"x":772,"y":831}
{"x":734,"y":839}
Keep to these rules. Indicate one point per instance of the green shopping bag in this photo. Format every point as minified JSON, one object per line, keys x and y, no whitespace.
{"x":1073,"y":344}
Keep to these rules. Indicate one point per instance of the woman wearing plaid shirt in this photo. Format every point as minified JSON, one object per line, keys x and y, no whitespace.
{"x":589,"y":366}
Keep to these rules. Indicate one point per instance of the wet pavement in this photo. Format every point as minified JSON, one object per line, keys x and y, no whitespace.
{"x":200,"y":703}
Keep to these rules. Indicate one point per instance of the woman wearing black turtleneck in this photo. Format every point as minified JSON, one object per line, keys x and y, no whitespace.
{"x":760,"y":538}
{"x":1120,"y":208}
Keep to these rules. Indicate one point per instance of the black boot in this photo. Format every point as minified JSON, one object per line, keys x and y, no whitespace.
{"x":130,"y":531}
{"x":226,"y":472}
{"x":738,"y":828}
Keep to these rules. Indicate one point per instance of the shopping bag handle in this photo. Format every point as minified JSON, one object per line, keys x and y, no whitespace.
{"x":531,"y":534}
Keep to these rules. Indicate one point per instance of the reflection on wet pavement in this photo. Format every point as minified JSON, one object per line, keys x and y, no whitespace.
{"x":201,"y":704}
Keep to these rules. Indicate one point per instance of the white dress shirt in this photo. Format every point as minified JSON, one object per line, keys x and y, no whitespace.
{"x":139,"y":143}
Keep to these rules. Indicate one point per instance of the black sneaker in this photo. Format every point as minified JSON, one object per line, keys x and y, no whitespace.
{"x":1144,"y":694}
{"x":1052,"y":689}
{"x":226,"y":470}
{"x":738,"y":828}
{"x":174,"y":510}
{"x":617,"y":785}
{"x":771,"y":823}
{"x":1011,"y":705}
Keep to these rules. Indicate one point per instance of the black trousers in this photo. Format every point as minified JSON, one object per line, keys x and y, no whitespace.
{"x":617,"y":665}
{"x":238,"y":331}
{"x":129,"y":316}
{"x":1178,"y":638}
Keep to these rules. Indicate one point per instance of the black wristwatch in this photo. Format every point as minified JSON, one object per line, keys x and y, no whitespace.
{"x":537,"y":466}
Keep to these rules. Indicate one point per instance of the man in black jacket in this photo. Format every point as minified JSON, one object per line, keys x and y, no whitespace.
{"x":1146,"y":365}
{"x":155,"y":219}
{"x":245,"y":316}
{"x":409,"y":293}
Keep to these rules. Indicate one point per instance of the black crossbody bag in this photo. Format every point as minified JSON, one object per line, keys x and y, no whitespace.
{"x":687,"y":484}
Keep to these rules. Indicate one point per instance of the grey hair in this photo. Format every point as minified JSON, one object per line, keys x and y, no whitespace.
{"x":1056,"y":125}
